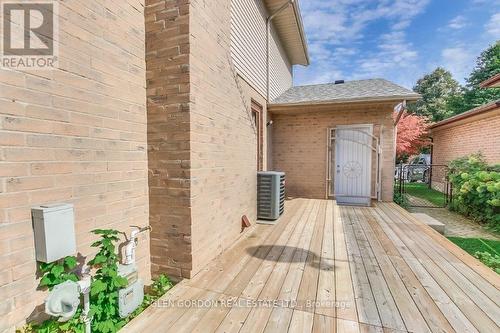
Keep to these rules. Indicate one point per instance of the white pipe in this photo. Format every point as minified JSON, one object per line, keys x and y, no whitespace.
{"x":84,"y":284}
{"x":86,"y":309}
{"x":130,"y":248}
{"x":268,"y":34}
{"x":132,"y":244}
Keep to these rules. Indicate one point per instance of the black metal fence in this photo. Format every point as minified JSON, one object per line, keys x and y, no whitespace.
{"x":423,"y":185}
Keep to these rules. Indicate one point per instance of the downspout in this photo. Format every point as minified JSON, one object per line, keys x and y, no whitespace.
{"x":402,"y":108}
{"x":432,"y":162}
{"x":268,"y":36}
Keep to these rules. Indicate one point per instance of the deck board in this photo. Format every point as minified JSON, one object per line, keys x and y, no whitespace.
{"x":385,"y":270}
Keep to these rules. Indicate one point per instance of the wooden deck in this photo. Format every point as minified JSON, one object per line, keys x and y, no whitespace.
{"x":341,"y":269}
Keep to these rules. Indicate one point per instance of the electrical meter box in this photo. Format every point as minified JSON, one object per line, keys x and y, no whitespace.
{"x":54,"y":228}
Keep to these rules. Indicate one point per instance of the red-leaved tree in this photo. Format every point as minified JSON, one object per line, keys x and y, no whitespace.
{"x":412,"y":134}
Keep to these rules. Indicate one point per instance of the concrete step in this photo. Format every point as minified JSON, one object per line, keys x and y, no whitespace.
{"x":430,"y":221}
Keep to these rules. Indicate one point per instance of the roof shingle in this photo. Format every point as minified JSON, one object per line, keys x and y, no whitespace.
{"x":361,"y":90}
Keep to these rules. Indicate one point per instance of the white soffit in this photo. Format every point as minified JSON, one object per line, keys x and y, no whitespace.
{"x":290,"y":29}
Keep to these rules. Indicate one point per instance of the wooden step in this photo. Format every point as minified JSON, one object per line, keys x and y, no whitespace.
{"x":431,"y":222}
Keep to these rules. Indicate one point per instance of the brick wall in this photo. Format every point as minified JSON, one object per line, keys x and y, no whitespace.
{"x":223,"y":138}
{"x":300,"y":143}
{"x":76,"y":135}
{"x":168,"y":105}
{"x":468,"y":136}
{"x":202,"y":142}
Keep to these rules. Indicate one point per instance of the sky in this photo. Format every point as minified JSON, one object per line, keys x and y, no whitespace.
{"x":399,"y":40}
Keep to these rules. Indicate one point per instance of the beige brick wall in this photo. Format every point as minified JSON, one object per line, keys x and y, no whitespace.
{"x":76,"y":135}
{"x":223,"y":138}
{"x":300,"y":143}
{"x":468,"y":136}
{"x":202,"y":142}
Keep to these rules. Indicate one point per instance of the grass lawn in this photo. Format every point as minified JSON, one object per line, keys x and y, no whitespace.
{"x":422,"y":190}
{"x":474,"y":245}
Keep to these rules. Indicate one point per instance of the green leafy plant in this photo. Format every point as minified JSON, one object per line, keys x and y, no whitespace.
{"x":53,"y":274}
{"x":74,"y":325}
{"x":105,"y":284}
{"x":158,"y":288}
{"x":476,"y":189}
{"x":104,"y":290}
{"x":400,"y":199}
{"x":490,"y":260}
{"x":57,"y":272}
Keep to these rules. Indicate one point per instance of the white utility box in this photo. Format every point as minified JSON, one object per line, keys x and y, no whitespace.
{"x":130,"y":297}
{"x":54,"y":227}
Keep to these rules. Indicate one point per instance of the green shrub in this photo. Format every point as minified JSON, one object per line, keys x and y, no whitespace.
{"x":490,"y":260}
{"x":476,"y":189}
{"x":400,"y":199}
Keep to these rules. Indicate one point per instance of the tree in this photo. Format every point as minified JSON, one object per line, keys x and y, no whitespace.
{"x":436,"y":88}
{"x":487,"y":65}
{"x":412,"y":131}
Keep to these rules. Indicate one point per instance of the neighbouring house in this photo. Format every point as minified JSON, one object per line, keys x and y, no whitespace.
{"x":470,"y":132}
{"x":161,"y":112}
{"x":464,"y":134}
{"x":474,"y":131}
{"x":492,"y":82}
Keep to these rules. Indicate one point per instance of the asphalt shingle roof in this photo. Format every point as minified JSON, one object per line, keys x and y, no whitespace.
{"x":373,"y":89}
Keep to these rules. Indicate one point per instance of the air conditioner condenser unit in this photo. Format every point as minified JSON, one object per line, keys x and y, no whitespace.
{"x":270,"y":195}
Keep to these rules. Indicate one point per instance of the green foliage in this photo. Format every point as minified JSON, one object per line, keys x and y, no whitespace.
{"x":487,"y":65}
{"x":157,"y":289}
{"x":490,"y":260}
{"x":53,"y":274}
{"x":476,"y":189}
{"x":436,"y":89}
{"x":57,"y":272}
{"x":74,"y":325}
{"x":486,"y":250}
{"x":105,"y":284}
{"x":160,"y":286}
{"x":473,"y":245}
{"x":442,"y":96}
{"x":103,"y":291}
{"x":400,"y":199}
{"x":422,"y":191}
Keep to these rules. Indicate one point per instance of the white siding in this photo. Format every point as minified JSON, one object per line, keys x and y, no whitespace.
{"x":281,"y":74}
{"x":248,"y":48}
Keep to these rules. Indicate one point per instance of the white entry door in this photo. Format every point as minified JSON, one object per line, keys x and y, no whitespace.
{"x":353,"y":164}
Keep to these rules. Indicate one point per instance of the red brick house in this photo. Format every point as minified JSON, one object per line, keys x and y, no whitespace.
{"x":473,"y":131}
